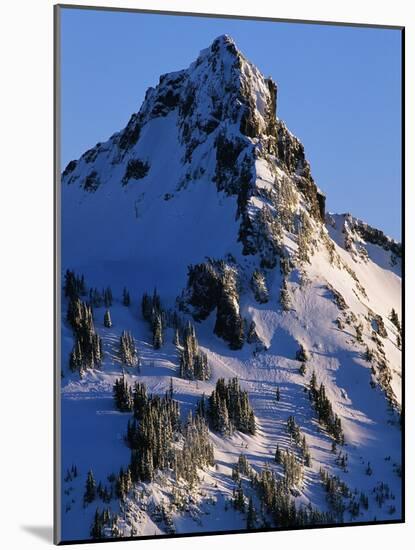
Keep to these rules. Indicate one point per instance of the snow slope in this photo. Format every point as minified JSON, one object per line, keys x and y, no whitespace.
{"x":208,"y":153}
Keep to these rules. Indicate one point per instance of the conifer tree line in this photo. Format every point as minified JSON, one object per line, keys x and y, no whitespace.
{"x":322,"y":405}
{"x":228,"y":408}
{"x":150,"y":435}
{"x":74,"y":285}
{"x":277,"y":507}
{"x":197,"y":451}
{"x":299,"y":439}
{"x":153,"y":430}
{"x":337,"y":491}
{"x":104,"y":525}
{"x":214,"y":285}
{"x":87,"y":351}
{"x":193,"y":362}
{"x":280,"y":507}
{"x":90,"y":488}
{"x":128,"y":351}
{"x":395,"y":320}
{"x":292,"y":466}
{"x":153,"y":313}
{"x":123,"y":395}
{"x":71,"y":473}
{"x":100,"y":298}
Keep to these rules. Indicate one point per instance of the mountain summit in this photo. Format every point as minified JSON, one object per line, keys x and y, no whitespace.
{"x":207,"y":197}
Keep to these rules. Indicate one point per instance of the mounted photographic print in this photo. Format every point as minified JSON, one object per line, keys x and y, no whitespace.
{"x":229,"y":321}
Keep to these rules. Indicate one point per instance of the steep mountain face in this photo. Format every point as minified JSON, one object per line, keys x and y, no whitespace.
{"x":207,"y":196}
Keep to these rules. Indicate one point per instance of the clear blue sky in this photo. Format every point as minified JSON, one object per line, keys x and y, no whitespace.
{"x":339,"y":92}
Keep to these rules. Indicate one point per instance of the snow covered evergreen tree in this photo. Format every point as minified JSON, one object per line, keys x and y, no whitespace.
{"x":193,"y":361}
{"x":128,"y":351}
{"x":107,"y":319}
{"x":90,"y":488}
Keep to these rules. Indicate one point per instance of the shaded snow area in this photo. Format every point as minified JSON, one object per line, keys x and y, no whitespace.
{"x":206,"y":197}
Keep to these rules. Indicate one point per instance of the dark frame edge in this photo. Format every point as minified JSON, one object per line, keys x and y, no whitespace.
{"x":56,"y":278}
{"x":403,"y":314}
{"x":227,"y":16}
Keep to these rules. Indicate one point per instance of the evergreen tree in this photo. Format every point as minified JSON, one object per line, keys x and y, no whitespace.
{"x":128,"y":351}
{"x":395,"y":320}
{"x":90,"y":488}
{"x":239,"y":499}
{"x":87,"y":351}
{"x":107,"y":295}
{"x":259,"y":287}
{"x":74,"y":285}
{"x":126,"y":300}
{"x":278,"y":455}
{"x":324,"y":410}
{"x":107,"y":319}
{"x":157,"y":331}
{"x":123,"y":395}
{"x":251,"y":516}
{"x":96,"y":529}
{"x":193,"y":362}
{"x":285,"y":299}
{"x":278,"y":394}
{"x":229,"y":408}
{"x":301,"y":354}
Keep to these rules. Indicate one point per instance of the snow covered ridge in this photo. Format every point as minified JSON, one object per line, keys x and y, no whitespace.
{"x":231,"y":355}
{"x":364,"y":232}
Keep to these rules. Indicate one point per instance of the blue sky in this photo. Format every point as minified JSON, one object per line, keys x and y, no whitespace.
{"x":339,"y":91}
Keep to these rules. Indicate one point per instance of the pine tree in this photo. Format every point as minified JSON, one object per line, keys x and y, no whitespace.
{"x":90,"y":488}
{"x":278,"y":394}
{"x":193,"y":362}
{"x":229,"y":408}
{"x":157,"y":331}
{"x":96,"y":529}
{"x":107,"y":319}
{"x":395,"y":320}
{"x":278,"y":455}
{"x":301,"y":354}
{"x":107,"y":294}
{"x":285,"y":299}
{"x":324,"y":410}
{"x":259,"y":287}
{"x":251,"y":516}
{"x":239,"y":499}
{"x":126,"y":301}
{"x":123,"y":395}
{"x":128,"y":351}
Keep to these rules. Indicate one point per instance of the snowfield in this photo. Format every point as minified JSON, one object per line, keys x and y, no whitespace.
{"x":145,"y":235}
